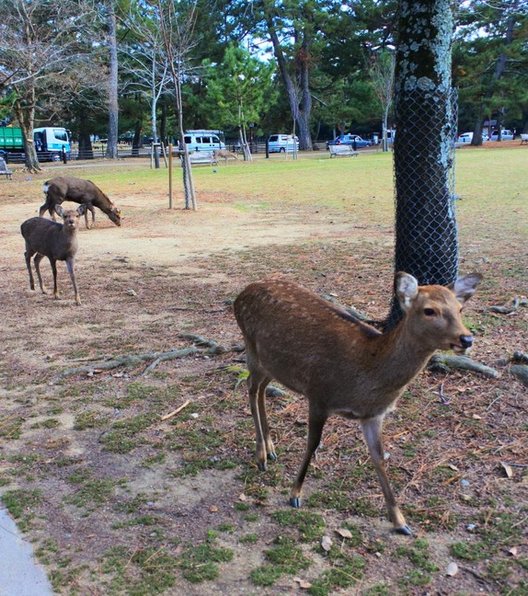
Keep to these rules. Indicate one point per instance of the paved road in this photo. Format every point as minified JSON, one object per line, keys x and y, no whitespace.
{"x":20,"y":575}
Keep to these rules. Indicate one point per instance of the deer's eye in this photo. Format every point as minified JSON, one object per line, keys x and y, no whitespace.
{"x":429,"y":312}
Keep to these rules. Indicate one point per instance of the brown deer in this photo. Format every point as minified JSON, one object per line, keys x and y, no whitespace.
{"x":342,"y":365}
{"x":58,"y":242}
{"x":224,"y":154}
{"x":85,"y":192}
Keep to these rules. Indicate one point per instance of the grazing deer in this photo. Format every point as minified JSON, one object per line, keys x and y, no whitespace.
{"x":58,"y":242}
{"x":67,"y":188}
{"x":224,"y":154}
{"x":342,"y":365}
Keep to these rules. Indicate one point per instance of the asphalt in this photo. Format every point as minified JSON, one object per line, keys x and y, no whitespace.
{"x":20,"y":574}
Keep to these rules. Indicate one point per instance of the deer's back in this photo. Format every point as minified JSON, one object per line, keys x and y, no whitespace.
{"x":300,"y":339}
{"x":76,"y":190}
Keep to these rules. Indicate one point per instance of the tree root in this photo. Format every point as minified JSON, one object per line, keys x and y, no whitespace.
{"x":520,"y":371}
{"x":203,"y":346}
{"x":446,"y":362}
{"x":130,"y":360}
{"x":508,"y":309}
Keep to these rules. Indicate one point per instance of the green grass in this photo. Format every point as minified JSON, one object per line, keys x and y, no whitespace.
{"x":201,"y":562}
{"x":310,"y":525}
{"x":21,"y":503}
{"x":285,"y":557}
{"x":124,"y":434}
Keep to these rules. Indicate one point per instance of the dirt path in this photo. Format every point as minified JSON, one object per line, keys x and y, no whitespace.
{"x":117,"y":500}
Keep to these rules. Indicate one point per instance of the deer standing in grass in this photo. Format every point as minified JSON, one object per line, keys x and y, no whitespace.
{"x":58,"y":242}
{"x":224,"y":154}
{"x":84,"y":192}
{"x":342,"y":365}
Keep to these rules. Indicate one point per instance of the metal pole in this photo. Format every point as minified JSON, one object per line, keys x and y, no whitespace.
{"x":170,"y":175}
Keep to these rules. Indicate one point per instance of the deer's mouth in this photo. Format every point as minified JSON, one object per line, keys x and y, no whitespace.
{"x":458,"y":349}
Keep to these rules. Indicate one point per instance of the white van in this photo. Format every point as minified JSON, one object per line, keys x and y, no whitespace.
{"x":280,"y":143}
{"x":203,"y":140}
{"x":506,"y":135}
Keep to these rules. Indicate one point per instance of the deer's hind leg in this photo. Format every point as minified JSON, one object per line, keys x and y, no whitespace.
{"x":36,"y":260}
{"x":316,"y":421}
{"x":28,"y":254}
{"x":257,"y":383}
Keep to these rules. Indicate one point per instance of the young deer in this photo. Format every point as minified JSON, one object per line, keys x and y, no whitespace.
{"x":224,"y":154}
{"x":58,"y":242}
{"x":344,"y":366}
{"x":66,"y":188}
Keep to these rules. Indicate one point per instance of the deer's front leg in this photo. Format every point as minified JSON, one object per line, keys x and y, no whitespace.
{"x":372,"y":432}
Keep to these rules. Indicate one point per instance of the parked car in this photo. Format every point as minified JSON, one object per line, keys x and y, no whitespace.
{"x":203,"y":140}
{"x":465,"y":137}
{"x":280,"y":143}
{"x":506,"y":135}
{"x":349,"y":139}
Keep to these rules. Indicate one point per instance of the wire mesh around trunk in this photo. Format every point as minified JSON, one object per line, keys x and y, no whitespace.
{"x":424,"y":159}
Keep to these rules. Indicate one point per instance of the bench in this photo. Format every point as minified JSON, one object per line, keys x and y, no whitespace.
{"x":202,"y":157}
{"x":345,"y":150}
{"x":524,"y":139}
{"x":4,"y":170}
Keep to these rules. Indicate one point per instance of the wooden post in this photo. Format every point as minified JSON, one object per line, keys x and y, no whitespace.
{"x":170,"y":175}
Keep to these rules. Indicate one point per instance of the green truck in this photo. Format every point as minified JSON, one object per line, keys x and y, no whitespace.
{"x":11,"y":139}
{"x":51,"y":142}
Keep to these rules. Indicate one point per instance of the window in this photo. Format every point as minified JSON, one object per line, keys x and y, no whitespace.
{"x":205,"y":139}
{"x":187,"y":139}
{"x":60,"y":135}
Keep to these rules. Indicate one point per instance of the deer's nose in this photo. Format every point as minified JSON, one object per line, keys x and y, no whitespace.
{"x":466,"y":341}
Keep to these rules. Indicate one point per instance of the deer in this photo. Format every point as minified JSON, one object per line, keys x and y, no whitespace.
{"x":58,"y":242}
{"x":342,"y":365}
{"x":80,"y":191}
{"x":224,"y":154}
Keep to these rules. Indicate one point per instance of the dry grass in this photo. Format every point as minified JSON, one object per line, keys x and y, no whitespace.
{"x":118,"y":501}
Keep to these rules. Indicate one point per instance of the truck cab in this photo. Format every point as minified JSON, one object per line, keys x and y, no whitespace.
{"x":51,"y":142}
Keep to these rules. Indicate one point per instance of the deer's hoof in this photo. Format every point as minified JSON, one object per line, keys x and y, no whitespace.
{"x":295,"y":502}
{"x":262,"y":466}
{"x":404,"y":530}
{"x":272,"y":456}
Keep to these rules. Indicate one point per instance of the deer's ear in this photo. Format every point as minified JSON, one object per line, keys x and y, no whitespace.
{"x":406,"y":289}
{"x":464,"y":287}
{"x":81,"y":209}
{"x":59,"y":210}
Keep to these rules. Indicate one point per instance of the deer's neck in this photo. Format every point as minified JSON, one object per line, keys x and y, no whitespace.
{"x":400,"y":356}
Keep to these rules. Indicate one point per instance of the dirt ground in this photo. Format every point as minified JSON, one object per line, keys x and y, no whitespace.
{"x":117,"y":499}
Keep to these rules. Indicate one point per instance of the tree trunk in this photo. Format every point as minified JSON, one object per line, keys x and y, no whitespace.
{"x":188,"y":184}
{"x":500,"y":67}
{"x":163,"y":123}
{"x":85,"y":144}
{"x":426,"y":230}
{"x":25,"y":113}
{"x":300,"y":108}
{"x":136,"y":141}
{"x":113,"y":104}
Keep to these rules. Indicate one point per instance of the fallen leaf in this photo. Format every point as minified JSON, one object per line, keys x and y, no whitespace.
{"x":452,"y":467}
{"x":508,"y":469}
{"x":476,"y":417}
{"x":213,"y":509}
{"x":452,"y":569}
{"x":303,"y":584}
{"x":344,"y":533}
{"x":326,"y":543}
{"x":513,"y":551}
{"x":242,"y":497}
